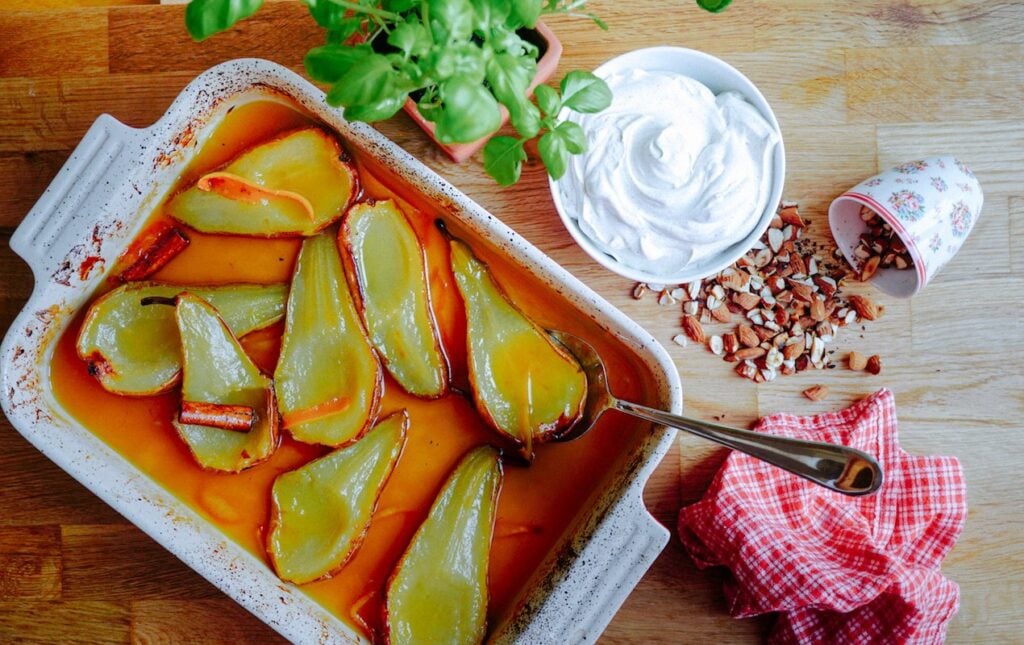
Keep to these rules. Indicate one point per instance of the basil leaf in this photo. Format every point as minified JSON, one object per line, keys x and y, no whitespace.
{"x":203,"y":18}
{"x":714,"y":6}
{"x":488,"y":13}
{"x":548,"y":100}
{"x":399,"y":6}
{"x":344,"y":31}
{"x":327,"y":14}
{"x":503,"y":159}
{"x":368,"y":89}
{"x":411,"y":38}
{"x":525,"y":13}
{"x":509,"y":77}
{"x":327,"y":64}
{"x":573,"y":136}
{"x":468,"y":112}
{"x":376,"y":111}
{"x":450,"y":20}
{"x":525,"y":118}
{"x":584,"y":92}
{"x":506,"y":40}
{"x":553,"y":153}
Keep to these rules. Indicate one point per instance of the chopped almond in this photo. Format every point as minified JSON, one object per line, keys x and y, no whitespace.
{"x":875,"y":364}
{"x":816,"y":392}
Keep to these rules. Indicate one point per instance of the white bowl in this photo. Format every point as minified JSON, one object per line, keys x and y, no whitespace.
{"x":719,"y":77}
{"x":101,"y":199}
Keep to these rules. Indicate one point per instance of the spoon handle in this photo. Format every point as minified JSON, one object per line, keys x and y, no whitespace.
{"x":839,"y":468}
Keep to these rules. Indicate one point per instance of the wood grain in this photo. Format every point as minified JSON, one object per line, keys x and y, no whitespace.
{"x":30,"y":562}
{"x":856,"y":86}
{"x":35,"y":45}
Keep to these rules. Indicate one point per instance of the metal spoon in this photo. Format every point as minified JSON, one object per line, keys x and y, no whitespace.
{"x":838,"y":468}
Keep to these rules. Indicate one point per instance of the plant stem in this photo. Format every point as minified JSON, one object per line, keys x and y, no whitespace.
{"x":370,"y":11}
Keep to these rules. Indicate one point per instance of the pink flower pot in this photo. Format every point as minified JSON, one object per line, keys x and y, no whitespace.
{"x":459,"y":152}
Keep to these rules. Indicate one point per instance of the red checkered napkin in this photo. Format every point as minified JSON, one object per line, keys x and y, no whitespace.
{"x":838,"y":569}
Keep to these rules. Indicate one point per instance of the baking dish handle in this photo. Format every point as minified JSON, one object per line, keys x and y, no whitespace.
{"x":55,"y":232}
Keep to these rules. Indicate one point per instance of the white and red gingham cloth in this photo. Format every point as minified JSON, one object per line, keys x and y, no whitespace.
{"x":838,"y":569}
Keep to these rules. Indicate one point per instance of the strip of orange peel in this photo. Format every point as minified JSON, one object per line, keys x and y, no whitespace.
{"x":318,"y":411}
{"x":240,"y":189}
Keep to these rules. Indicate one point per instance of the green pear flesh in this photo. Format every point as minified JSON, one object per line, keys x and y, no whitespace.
{"x":390,"y":269}
{"x":135,"y":349}
{"x":321,"y":511}
{"x":308,"y":163}
{"x":216,"y":370}
{"x":328,"y":378}
{"x":524,"y":385}
{"x":438,"y":592}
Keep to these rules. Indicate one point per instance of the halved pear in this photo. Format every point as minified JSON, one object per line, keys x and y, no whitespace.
{"x":438,"y":592}
{"x":135,"y":349}
{"x":321,"y":511}
{"x":328,"y":378}
{"x":524,"y":385}
{"x":294,"y":185}
{"x":216,"y":370}
{"x":391,"y":273}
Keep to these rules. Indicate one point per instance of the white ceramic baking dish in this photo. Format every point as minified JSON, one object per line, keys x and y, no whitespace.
{"x":98,"y":203}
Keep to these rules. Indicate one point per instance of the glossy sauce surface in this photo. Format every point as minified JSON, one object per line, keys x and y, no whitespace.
{"x":537,"y":504}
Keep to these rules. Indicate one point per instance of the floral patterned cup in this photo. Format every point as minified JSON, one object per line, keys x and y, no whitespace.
{"x":931,"y":204}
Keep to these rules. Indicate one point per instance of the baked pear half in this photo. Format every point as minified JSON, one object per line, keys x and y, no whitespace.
{"x":524,"y":385}
{"x":328,"y":378}
{"x":221,"y":386}
{"x":296,"y":184}
{"x":135,"y":349}
{"x":391,"y":273}
{"x":321,"y":511}
{"x":438,"y":592}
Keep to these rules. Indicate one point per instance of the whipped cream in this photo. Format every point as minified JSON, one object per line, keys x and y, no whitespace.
{"x":672,"y":173}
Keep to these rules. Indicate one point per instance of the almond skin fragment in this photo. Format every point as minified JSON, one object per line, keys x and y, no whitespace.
{"x":791,"y":216}
{"x":749,"y":353}
{"x":864,"y":307}
{"x":792,"y":351}
{"x":693,"y":329}
{"x":818,"y":312}
{"x":869,"y":268}
{"x":747,"y":336}
{"x":721,"y":314}
{"x":856,"y":361}
{"x":746,"y":369}
{"x":875,"y":364}
{"x":746,"y":300}
{"x":730,"y":343}
{"x":816,"y":392}
{"x":801,"y":291}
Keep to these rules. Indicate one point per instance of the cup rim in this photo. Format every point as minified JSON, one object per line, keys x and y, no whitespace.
{"x":679,"y":58}
{"x":890,"y":219}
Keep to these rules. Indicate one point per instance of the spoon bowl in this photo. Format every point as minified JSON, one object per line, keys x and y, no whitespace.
{"x":840,"y":468}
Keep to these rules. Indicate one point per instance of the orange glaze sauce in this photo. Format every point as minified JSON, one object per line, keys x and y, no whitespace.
{"x":538,"y":503}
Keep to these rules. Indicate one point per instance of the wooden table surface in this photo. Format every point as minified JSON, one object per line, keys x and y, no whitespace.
{"x":857,"y":87}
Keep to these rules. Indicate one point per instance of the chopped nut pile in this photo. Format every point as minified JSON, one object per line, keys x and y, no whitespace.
{"x":785,"y":302}
{"x":879,"y":247}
